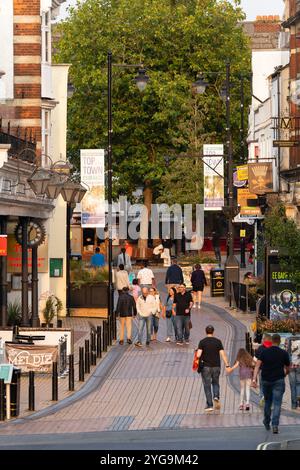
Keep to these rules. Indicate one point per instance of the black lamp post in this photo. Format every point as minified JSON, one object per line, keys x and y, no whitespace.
{"x":141,"y":81}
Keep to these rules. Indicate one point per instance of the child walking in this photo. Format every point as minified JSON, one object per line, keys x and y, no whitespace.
{"x":246,"y":365}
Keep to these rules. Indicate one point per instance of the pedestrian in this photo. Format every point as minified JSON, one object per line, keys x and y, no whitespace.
{"x":183,"y":303}
{"x":267,"y":343}
{"x":198,"y":281}
{"x":98,"y":259}
{"x":124,"y":258}
{"x":294,"y":375}
{"x":174,"y":275}
{"x":216,"y":246}
{"x":126,"y":309}
{"x":146,"y":307}
{"x":274,"y":363}
{"x":136,"y":290}
{"x":122,"y":279}
{"x":169,"y":315}
{"x":246,"y":365}
{"x":156,"y":315}
{"x":210,"y":350}
{"x":145,"y":276}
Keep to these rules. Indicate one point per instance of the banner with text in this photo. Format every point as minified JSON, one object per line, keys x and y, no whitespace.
{"x":31,"y":357}
{"x":213,"y":169}
{"x":92,"y":174}
{"x":260,"y":178}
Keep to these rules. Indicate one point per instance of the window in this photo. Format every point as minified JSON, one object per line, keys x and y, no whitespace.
{"x":46,"y":132}
{"x":46,"y":37}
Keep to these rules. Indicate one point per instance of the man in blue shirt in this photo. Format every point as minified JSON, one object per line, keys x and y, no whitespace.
{"x":97,"y":260}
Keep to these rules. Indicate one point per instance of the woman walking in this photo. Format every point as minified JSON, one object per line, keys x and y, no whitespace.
{"x":246,"y":365}
{"x":156,"y":315}
{"x":198,"y":281}
{"x":169,"y":315}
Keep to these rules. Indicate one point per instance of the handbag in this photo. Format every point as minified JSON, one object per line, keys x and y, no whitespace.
{"x":195,"y":362}
{"x":168,"y":313}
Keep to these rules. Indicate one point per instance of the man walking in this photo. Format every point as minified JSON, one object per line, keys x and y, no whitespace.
{"x":126,"y":309}
{"x":124,"y":258}
{"x":267,"y":343}
{"x":210,"y":350}
{"x":146,"y":307}
{"x":174,"y":275}
{"x":274,"y":363}
{"x":145,"y":276}
{"x":183,"y":303}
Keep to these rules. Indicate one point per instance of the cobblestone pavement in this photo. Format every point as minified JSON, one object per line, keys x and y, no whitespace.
{"x":153,"y":388}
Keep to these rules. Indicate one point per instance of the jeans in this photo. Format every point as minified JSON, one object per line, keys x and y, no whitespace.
{"x":210,"y":379}
{"x":154,"y":324}
{"x":142,"y":322}
{"x":183,"y":329}
{"x":294,"y":379}
{"x":273,"y":393}
{"x":245,"y":385}
{"x":171,"y":327}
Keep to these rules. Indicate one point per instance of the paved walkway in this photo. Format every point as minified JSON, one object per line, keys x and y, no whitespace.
{"x":154,"y":388}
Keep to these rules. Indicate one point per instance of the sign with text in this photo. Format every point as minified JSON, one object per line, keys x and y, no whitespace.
{"x":32,"y":357}
{"x":213,"y":169}
{"x":243,"y":198}
{"x":260,"y":178}
{"x":3,"y":245}
{"x":14,"y":256}
{"x":92,"y":174}
{"x":242,"y":172}
{"x":284,"y":300}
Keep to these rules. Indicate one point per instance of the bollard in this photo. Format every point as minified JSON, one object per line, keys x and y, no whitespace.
{"x":108,"y":332}
{"x":87,"y":363}
{"x":93,"y":350}
{"x":115,"y":326}
{"x":99,"y":351}
{"x":71,"y":373}
{"x":2,"y":400}
{"x":54,"y":382}
{"x":59,"y":324}
{"x":104,"y":337}
{"x":81,"y":364}
{"x":31,"y":391}
{"x":111,"y":329}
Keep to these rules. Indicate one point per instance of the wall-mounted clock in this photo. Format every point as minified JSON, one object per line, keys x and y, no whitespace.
{"x":36,"y":233}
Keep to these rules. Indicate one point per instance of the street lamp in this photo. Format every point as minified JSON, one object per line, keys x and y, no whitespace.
{"x":39,"y":181}
{"x":141,"y":81}
{"x":199,"y":86}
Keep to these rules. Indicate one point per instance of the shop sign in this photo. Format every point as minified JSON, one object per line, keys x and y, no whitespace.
{"x":260,"y":178}
{"x":242,"y":172}
{"x":32,"y":357}
{"x":14,"y":256}
{"x":3,"y":245}
{"x":243,"y":195}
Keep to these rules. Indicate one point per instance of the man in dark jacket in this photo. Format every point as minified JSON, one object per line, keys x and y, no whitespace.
{"x":266,"y":343}
{"x":174,"y":275}
{"x":126,"y":309}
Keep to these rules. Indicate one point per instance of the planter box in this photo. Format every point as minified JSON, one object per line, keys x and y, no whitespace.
{"x":89,"y":296}
{"x":188,"y":269}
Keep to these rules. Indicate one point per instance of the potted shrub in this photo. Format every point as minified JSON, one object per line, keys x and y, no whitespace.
{"x":88,"y":286}
{"x":14,"y":313}
{"x":52,"y":309}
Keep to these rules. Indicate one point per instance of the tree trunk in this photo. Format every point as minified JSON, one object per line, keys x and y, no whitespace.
{"x":145,"y":216}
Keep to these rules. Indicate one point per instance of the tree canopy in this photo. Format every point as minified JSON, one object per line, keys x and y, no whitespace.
{"x":175,"y":40}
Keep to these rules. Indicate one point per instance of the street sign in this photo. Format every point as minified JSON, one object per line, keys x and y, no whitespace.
{"x":6,"y":371}
{"x":286,"y":143}
{"x":242,"y":233}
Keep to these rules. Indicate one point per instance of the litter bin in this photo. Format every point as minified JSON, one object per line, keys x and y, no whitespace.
{"x":217,"y":283}
{"x":15,"y":391}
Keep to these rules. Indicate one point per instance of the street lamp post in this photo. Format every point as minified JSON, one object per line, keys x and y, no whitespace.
{"x":141,"y":81}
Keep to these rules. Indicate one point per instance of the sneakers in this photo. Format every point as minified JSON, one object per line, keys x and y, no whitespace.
{"x":266,"y":425}
{"x":247,"y":407}
{"x":187,"y":342}
{"x":129,"y":341}
{"x":217,"y":403}
{"x":241,"y":408}
{"x":180,"y":343}
{"x":121,"y":342}
{"x":138,"y":344}
{"x":209,"y":408}
{"x":168,"y":340}
{"x":275,"y":429}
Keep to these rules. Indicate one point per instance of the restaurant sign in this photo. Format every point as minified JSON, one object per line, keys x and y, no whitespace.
{"x":31,"y":357}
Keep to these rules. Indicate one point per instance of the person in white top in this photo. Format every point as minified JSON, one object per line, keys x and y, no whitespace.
{"x":145,"y":276}
{"x":122,"y":279}
{"x":124,"y":258}
{"x":146,"y":306}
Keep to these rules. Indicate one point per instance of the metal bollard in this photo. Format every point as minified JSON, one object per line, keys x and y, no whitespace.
{"x":115,"y":326}
{"x":31,"y":391}
{"x":104,"y":337}
{"x":99,"y":351}
{"x":87,"y":363}
{"x":54,"y":382}
{"x":2,"y":400}
{"x":93,"y":349}
{"x":81,"y":364}
{"x":71,"y":373}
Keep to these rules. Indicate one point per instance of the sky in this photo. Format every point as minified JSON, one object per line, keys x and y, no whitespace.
{"x":252,"y":8}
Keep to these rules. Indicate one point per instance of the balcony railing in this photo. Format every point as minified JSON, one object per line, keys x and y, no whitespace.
{"x":21,"y":147}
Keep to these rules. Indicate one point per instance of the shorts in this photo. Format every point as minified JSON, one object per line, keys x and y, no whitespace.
{"x":197,"y":288}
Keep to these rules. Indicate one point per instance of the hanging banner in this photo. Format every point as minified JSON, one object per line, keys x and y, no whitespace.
{"x":92,"y":174}
{"x":242,"y":172}
{"x":260,"y":178}
{"x":213,"y":169}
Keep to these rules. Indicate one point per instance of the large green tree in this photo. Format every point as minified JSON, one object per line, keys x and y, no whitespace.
{"x":175,"y":40}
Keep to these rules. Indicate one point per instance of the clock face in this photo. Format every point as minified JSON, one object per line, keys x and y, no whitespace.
{"x":35,"y":233}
